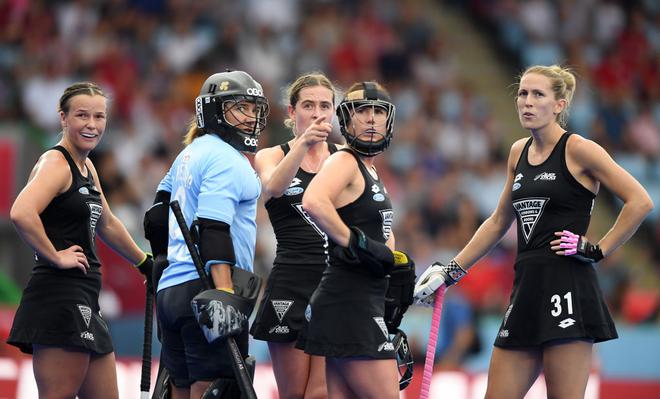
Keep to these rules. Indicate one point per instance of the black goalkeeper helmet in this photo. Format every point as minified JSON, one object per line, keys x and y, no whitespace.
{"x":404,"y":358}
{"x":370,"y":105}
{"x":227,"y":92}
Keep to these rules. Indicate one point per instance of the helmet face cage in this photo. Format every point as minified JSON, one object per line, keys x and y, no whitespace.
{"x":373,"y":108}
{"x":223,"y":94}
{"x":254,"y":123}
{"x":404,"y":359}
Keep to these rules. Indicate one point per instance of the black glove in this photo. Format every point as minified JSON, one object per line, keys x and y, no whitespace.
{"x":588,"y":252}
{"x":399,"y":294}
{"x":220,"y":313}
{"x":160,"y":264}
{"x":374,"y":256}
{"x":146,"y":268}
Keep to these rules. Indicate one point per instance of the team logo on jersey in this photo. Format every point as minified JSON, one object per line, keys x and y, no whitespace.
{"x":86,"y":313}
{"x":94,"y":215}
{"x":387,"y":345}
{"x":293,"y":189}
{"x":378,"y":196}
{"x":388,"y":219}
{"x":566,"y":323}
{"x":529,"y":212}
{"x":545,"y":176}
{"x":517,"y":185}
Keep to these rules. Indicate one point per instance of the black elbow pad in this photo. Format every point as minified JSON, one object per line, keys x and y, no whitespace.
{"x":215,"y":243}
{"x":156,"y":223}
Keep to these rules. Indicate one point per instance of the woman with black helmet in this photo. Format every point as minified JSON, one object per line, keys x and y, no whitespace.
{"x":349,"y":202}
{"x":216,"y":187}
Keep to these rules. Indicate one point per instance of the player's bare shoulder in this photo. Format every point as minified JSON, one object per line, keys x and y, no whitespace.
{"x":585,"y":152}
{"x":269,"y":155}
{"x":516,"y":150}
{"x":52,"y":165}
{"x":51,"y":174}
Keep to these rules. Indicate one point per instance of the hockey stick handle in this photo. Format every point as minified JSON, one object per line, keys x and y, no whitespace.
{"x":433,"y":341}
{"x":240,"y":370}
{"x":187,"y":237}
{"x":145,"y":378}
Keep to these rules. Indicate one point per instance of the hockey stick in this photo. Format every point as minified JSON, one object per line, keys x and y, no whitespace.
{"x":240,"y":370}
{"x":145,"y":380}
{"x":433,"y":340}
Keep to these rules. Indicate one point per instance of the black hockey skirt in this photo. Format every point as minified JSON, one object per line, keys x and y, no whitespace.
{"x":554,"y":298}
{"x":61,"y":308}
{"x":281,"y":313}
{"x":346,"y":317}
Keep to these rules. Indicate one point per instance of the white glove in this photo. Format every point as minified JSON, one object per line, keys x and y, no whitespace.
{"x":433,"y":278}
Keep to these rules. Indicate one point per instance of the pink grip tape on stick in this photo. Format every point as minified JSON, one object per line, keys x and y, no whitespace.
{"x":433,"y":340}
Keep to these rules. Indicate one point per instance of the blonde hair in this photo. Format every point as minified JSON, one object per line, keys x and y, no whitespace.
{"x":193,"y":131}
{"x":88,"y":88}
{"x":292,"y":92}
{"x":562,"y":82}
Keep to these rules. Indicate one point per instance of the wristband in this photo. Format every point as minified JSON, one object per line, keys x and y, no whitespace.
{"x":140,"y":263}
{"x":454,"y":272}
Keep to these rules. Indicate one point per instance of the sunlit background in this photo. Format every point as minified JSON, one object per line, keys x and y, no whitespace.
{"x":449,"y":66}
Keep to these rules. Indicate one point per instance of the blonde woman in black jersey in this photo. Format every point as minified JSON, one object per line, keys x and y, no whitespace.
{"x":285,"y":171}
{"x":349,"y":202}
{"x":556,"y":312}
{"x":59,"y":213}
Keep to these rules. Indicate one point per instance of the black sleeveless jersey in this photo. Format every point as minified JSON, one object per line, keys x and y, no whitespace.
{"x":371,"y":211}
{"x":71,"y":217}
{"x":299,"y":239}
{"x":546,"y":198}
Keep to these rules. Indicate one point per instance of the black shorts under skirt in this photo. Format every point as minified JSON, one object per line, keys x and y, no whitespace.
{"x":554,"y":298}
{"x":61,"y":309}
{"x":281,"y":313}
{"x":346,"y":317}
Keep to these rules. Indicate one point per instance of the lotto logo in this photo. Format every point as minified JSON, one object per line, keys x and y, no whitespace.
{"x":566,"y":323}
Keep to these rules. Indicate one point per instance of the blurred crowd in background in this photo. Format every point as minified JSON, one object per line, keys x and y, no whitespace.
{"x":446,"y":167}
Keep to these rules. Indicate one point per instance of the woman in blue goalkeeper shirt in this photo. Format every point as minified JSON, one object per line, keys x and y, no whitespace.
{"x":214,"y":183}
